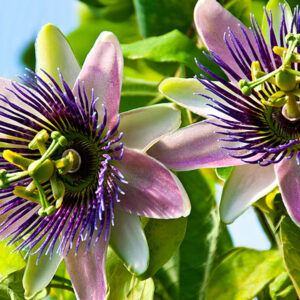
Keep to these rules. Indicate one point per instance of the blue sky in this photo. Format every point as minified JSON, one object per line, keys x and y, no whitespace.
{"x":20,"y":22}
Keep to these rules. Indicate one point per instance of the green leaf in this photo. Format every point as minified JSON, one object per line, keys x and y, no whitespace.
{"x":137,"y":93}
{"x":257,"y":9}
{"x":113,"y":10}
{"x":293,"y":3}
{"x":240,"y":9}
{"x":167,"y":281}
{"x":10,"y":262}
{"x":282,"y":288}
{"x":83,"y":38}
{"x":224,"y":172}
{"x":124,"y":285}
{"x":158,"y":17}
{"x":171,"y":47}
{"x":92,"y":2}
{"x":158,"y":231}
{"x":198,"y":248}
{"x":224,"y":244}
{"x":290,"y":239}
{"x":11,"y":287}
{"x":244,"y":272}
{"x":142,"y":290}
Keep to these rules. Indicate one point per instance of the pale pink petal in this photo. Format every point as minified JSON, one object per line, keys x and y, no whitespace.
{"x":101,"y":73}
{"x":6,"y":86}
{"x":212,"y":21}
{"x":143,"y":127}
{"x":192,"y":147}
{"x":152,"y":190}
{"x":245,"y":185}
{"x":107,"y":36}
{"x":87,"y":270}
{"x":288,"y":174}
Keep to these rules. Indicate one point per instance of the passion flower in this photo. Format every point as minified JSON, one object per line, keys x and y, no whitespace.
{"x":74,"y":173}
{"x":254,"y":120}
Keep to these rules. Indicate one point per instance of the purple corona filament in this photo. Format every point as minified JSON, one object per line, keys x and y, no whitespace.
{"x":265,"y":134}
{"x":87,"y":210}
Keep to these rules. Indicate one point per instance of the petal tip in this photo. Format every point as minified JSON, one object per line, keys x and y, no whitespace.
{"x":49,"y":29}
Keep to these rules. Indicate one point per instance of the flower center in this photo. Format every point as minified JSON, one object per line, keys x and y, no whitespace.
{"x":279,"y":88}
{"x":59,"y":163}
{"x":279,"y":93}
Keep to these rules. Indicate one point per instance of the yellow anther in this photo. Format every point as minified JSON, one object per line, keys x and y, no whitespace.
{"x":58,"y":190}
{"x":276,"y":100}
{"x":59,"y":138}
{"x":16,"y":159}
{"x":22,"y":192}
{"x":65,"y":164}
{"x":39,"y":141}
{"x":256,"y":71}
{"x":281,"y":51}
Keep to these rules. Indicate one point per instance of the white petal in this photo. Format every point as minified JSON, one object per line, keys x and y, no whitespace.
{"x":38,"y":276}
{"x":183,"y":92}
{"x":53,"y":51}
{"x":245,"y":185}
{"x":129,"y":241}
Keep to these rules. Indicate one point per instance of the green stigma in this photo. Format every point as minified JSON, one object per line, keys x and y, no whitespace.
{"x":285,"y":78}
{"x":41,"y":171}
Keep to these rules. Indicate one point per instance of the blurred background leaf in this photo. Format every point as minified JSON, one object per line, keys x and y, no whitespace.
{"x":198,"y":249}
{"x":290,"y":239}
{"x":11,"y":287}
{"x":10,"y":262}
{"x":243,"y":273}
{"x":124,"y":285}
{"x":159,"y":17}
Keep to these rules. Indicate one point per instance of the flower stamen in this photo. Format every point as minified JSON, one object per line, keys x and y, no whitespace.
{"x":41,"y":171}
{"x":284,"y":78}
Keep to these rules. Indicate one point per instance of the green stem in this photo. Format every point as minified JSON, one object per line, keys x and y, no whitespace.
{"x":62,"y":279}
{"x":61,"y":286}
{"x":273,"y":229}
{"x":268,"y":230}
{"x":15,"y":176}
{"x":186,"y":117}
{"x":292,"y":45}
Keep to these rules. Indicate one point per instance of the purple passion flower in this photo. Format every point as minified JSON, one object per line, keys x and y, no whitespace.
{"x":74,"y":173}
{"x":253,"y":120}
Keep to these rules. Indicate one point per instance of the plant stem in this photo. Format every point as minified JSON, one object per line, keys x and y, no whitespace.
{"x":267,"y":227}
{"x":61,"y":286}
{"x":62,"y":279}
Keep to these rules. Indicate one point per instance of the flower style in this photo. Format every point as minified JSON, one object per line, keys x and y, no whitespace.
{"x":68,"y":183}
{"x":253,"y":120}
